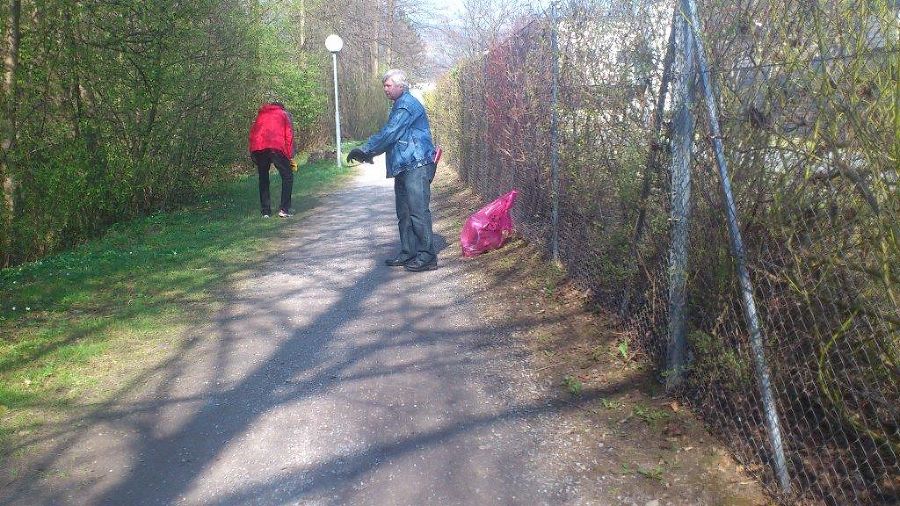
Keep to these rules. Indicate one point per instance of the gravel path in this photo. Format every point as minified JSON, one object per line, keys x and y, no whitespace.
{"x":329,"y":378}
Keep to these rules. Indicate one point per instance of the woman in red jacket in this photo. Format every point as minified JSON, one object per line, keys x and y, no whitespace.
{"x":272,"y":142}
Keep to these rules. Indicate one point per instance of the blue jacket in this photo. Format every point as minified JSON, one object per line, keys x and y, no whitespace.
{"x":406,"y":137}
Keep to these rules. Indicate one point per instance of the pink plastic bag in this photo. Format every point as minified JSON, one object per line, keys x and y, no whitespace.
{"x":489,"y":228}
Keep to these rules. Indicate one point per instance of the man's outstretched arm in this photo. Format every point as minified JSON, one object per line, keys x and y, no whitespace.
{"x":390,"y":133}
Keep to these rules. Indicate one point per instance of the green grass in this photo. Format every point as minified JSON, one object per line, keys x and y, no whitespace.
{"x":653,"y":473}
{"x":610,"y":404}
{"x":73,"y":320}
{"x":650,"y":415}
{"x":573,"y":385}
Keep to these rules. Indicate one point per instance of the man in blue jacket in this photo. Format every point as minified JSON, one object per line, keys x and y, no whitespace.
{"x":406,"y":138}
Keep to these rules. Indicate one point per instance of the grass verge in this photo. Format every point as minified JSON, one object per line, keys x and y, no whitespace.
{"x":72,"y":320}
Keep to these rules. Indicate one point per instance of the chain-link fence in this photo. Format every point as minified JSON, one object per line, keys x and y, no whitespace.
{"x":727,"y":185}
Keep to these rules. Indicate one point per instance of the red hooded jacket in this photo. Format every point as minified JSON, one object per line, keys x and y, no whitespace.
{"x":272,"y":130}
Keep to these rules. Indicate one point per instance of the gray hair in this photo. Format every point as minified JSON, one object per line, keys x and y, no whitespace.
{"x":397,"y":76}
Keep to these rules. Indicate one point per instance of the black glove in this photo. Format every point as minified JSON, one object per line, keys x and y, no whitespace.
{"x":359,"y":155}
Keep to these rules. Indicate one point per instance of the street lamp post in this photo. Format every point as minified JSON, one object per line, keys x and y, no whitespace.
{"x":334,"y":44}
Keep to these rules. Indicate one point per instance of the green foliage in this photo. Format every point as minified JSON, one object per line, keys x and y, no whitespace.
{"x":573,"y":385}
{"x":714,"y":362}
{"x":622,"y":348}
{"x":363,"y":105}
{"x":610,"y":404}
{"x":444,"y":111}
{"x":553,"y":274}
{"x":297,"y":79}
{"x":653,"y":473}
{"x":649,"y":414}
{"x":123,"y":108}
{"x":128,"y":108}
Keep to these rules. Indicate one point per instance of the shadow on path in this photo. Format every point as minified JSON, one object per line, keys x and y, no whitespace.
{"x":328,"y":377}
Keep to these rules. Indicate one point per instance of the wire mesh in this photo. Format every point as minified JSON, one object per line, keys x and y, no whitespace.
{"x":808,"y":95}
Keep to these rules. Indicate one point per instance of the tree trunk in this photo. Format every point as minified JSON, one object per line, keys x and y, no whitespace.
{"x":302,"y":23}
{"x":375,"y":40}
{"x":389,"y":32}
{"x":7,"y":144}
{"x":74,"y":82}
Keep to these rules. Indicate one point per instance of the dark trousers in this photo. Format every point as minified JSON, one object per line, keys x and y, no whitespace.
{"x":412,"y":194}
{"x":263,"y":160}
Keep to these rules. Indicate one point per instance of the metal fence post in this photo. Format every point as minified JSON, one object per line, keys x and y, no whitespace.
{"x":554,"y":135}
{"x":682,"y":142}
{"x":737,"y":245}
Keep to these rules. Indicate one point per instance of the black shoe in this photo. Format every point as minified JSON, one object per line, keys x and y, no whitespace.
{"x":397,"y":261}
{"x":421,"y":265}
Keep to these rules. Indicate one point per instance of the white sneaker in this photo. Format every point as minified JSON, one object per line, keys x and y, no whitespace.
{"x":284,"y":214}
